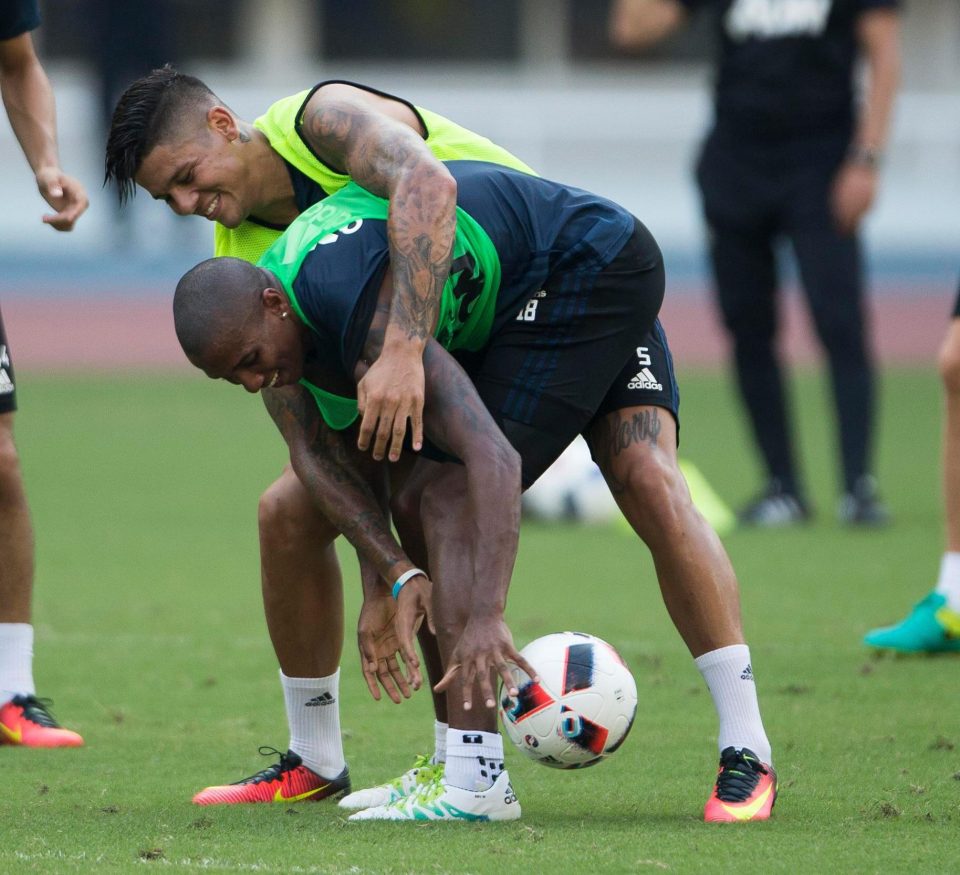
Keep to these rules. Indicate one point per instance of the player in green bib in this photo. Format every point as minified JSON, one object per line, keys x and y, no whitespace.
{"x":174,"y":137}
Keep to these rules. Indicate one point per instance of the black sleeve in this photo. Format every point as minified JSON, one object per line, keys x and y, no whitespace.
{"x":18,"y":17}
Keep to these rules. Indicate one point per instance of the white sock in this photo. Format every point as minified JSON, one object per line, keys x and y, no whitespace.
{"x":16,"y":661}
{"x":948,"y":584}
{"x":439,"y":742}
{"x":313,"y":715}
{"x":729,"y":677}
{"x":474,"y":758}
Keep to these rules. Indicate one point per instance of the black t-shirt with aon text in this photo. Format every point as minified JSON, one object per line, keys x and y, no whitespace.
{"x":787,"y":66}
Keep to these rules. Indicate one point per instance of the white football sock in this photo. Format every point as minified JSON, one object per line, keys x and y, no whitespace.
{"x":16,"y":661}
{"x":948,"y":584}
{"x":729,"y":677}
{"x":313,"y":715}
{"x":439,"y":742}
{"x":474,"y":758}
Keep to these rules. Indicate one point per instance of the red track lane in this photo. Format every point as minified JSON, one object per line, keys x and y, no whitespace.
{"x":108,"y":333}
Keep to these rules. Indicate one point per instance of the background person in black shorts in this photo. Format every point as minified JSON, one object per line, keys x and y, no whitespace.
{"x":933,"y":626}
{"x":28,"y":98}
{"x":791,"y":156}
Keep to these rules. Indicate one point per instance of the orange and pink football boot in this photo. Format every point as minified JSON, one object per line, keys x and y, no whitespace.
{"x":746,"y":788}
{"x":286,"y":781}
{"x":26,"y":721}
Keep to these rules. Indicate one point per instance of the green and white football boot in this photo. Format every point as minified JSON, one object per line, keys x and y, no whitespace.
{"x":437,"y":800}
{"x":424,"y":770}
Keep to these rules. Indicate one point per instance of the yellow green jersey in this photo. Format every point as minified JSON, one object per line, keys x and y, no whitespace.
{"x":282,"y":126}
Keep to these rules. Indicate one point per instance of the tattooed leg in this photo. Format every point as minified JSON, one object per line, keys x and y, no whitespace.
{"x":636,"y":451}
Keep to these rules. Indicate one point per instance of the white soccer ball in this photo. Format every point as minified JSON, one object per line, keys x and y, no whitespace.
{"x":572,"y":488}
{"x":582,"y":708}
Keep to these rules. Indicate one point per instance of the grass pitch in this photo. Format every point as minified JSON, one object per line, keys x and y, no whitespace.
{"x":150,"y":637}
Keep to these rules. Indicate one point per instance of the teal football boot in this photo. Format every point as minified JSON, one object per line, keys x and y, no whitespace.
{"x":931,"y":627}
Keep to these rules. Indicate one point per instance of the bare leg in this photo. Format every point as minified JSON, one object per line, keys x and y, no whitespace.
{"x":447,"y":528}
{"x":23,"y":722}
{"x":301,"y":581}
{"x":950,"y":373}
{"x":636,"y":451}
{"x":16,"y":533}
{"x":933,"y":625}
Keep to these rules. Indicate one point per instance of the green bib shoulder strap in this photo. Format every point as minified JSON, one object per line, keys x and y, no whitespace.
{"x":337,"y":412}
{"x":280,"y":124}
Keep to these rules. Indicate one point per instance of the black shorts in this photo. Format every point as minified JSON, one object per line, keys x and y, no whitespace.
{"x":578,"y":350}
{"x":8,"y":390}
{"x":956,"y":306}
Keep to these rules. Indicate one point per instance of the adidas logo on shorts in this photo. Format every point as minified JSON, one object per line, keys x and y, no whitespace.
{"x":645,"y":380}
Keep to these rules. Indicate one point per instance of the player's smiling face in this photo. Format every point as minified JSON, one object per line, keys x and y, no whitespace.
{"x":265,"y":352}
{"x":201,"y":171}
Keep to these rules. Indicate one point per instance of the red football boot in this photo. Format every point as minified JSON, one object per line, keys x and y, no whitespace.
{"x":26,"y":721}
{"x":746,"y":789}
{"x":286,"y":781}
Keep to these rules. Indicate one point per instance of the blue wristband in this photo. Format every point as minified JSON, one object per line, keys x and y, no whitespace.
{"x":403,"y":578}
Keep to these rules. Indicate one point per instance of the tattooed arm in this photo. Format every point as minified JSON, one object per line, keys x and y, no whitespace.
{"x":379,"y":143}
{"x":322,"y":461}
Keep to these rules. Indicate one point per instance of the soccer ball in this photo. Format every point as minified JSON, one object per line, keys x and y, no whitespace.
{"x":572,"y":488}
{"x":583,"y":707}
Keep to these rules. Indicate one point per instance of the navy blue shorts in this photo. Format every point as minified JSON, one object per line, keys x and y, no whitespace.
{"x":586,"y":344}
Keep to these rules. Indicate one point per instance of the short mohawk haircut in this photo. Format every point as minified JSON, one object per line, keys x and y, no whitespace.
{"x":147,"y":111}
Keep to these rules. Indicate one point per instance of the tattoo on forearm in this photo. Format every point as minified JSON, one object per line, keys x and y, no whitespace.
{"x":392,"y":161}
{"x":419,"y":273}
{"x":329,"y":474}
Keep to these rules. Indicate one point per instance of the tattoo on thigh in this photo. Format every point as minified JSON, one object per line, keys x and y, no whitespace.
{"x":642,"y":427}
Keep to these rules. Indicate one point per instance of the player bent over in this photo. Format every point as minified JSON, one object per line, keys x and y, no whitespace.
{"x":171,"y":135}
{"x":307,"y":322}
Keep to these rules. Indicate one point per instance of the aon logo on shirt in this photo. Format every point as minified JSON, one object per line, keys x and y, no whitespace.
{"x":766,"y":19}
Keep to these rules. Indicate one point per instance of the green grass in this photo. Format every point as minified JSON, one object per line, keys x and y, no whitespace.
{"x":151,"y":639}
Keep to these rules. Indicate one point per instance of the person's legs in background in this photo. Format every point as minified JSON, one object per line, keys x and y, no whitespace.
{"x":934,"y":623}
{"x":24,"y":719}
{"x":831,"y":270}
{"x":741,"y":232}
